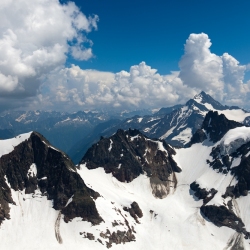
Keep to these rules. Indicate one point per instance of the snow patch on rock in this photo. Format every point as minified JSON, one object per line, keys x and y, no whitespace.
{"x":234,"y":139}
{"x":7,"y":146}
{"x":32,"y":172}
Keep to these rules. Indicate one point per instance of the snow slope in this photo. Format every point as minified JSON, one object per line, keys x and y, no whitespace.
{"x":6,"y":146}
{"x":174,"y":222}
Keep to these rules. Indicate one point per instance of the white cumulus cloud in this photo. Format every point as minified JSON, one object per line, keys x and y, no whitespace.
{"x":201,"y":69}
{"x":220,"y":76}
{"x":143,"y":87}
{"x":140,"y":87}
{"x":36,"y":36}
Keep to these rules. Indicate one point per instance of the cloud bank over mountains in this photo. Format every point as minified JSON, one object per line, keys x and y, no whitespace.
{"x":38,"y":36}
{"x":220,"y":76}
{"x":200,"y":69}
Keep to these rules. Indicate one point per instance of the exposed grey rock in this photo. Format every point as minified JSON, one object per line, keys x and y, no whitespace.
{"x":202,"y":193}
{"x":134,"y":210}
{"x":56,"y":178}
{"x":199,"y":136}
{"x":221,"y":216}
{"x":216,"y":126}
{"x":127,"y":154}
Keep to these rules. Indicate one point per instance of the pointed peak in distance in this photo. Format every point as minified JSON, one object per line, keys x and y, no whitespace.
{"x":207,"y":100}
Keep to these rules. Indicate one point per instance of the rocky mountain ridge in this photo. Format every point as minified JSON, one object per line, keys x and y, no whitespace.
{"x":129,"y":191}
{"x":176,"y":125}
{"x":128,"y":154}
{"x":61,"y":128}
{"x":34,"y":166}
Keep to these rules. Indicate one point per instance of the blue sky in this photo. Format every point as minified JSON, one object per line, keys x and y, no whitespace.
{"x":97,"y":54}
{"x":155,"y":31}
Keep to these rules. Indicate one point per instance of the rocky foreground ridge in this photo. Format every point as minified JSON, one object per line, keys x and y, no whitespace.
{"x":129,"y":192}
{"x":35,"y":165}
{"x":127,"y":154}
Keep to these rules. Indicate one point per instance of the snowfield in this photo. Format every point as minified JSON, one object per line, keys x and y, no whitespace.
{"x":7,"y":146}
{"x":174,"y":222}
{"x":234,"y":139}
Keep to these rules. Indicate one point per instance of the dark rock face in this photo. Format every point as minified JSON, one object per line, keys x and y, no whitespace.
{"x":242,"y":171}
{"x":221,"y":216}
{"x":202,"y":193}
{"x":134,"y":210}
{"x":222,"y":163}
{"x":56,"y":178}
{"x":117,"y":237}
{"x":199,"y":136}
{"x":216,"y":126}
{"x":5,"y":199}
{"x":246,"y":122}
{"x":88,"y":236}
{"x":127,"y":154}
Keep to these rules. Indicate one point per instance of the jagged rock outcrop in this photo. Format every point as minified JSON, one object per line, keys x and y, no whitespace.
{"x":202,"y":193}
{"x":221,"y":216}
{"x":222,"y":162}
{"x":35,"y":164}
{"x":198,"y":136}
{"x":242,"y":171}
{"x":216,"y":126}
{"x":230,"y":157}
{"x":134,"y":210}
{"x":117,"y":237}
{"x":127,"y":154}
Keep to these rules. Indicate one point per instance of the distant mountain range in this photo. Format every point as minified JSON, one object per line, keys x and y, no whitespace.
{"x":63,"y":130}
{"x":75,"y":132}
{"x":175,"y":125}
{"x":129,"y":191}
{"x":178,"y":126}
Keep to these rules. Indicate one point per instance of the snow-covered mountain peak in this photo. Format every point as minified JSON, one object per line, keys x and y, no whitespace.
{"x":208,"y":101}
{"x":48,"y":202}
{"x":198,"y":97}
{"x":178,"y":125}
{"x":128,"y":154}
{"x":35,"y":167}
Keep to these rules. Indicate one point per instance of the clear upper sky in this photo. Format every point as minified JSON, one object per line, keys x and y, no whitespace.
{"x":155,"y":31}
